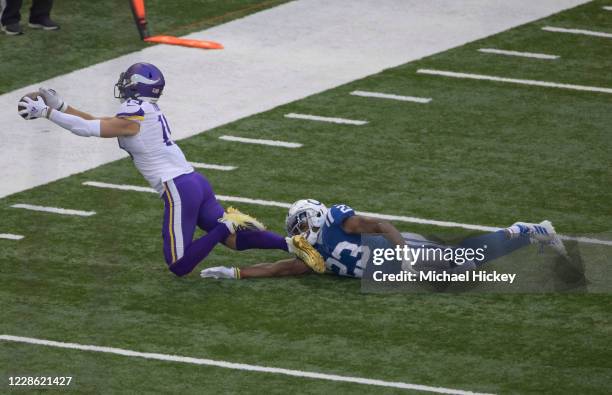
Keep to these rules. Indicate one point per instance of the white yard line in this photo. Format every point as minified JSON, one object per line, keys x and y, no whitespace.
{"x":399,"y":218}
{"x":378,"y":95}
{"x":607,"y":8}
{"x":258,"y":202}
{"x":273,"y":143}
{"x":271,"y":58}
{"x":546,"y":84}
{"x":325,"y":119}
{"x":54,"y":210}
{"x":234,"y":365}
{"x":121,"y":187}
{"x":520,"y":54}
{"x":10,"y":236}
{"x":576,"y":31}
{"x":212,"y":167}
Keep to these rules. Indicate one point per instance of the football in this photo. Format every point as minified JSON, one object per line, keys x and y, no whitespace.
{"x":31,"y":95}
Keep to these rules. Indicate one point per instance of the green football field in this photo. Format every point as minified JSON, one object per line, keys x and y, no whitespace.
{"x":481,"y":152}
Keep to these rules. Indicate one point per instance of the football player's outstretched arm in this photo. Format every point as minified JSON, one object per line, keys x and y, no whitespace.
{"x":86,"y":125}
{"x":98,"y":127}
{"x":285,"y":267}
{"x":358,"y":224}
{"x":56,"y":102}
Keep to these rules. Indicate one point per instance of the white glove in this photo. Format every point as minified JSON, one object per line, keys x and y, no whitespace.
{"x":221,"y":272}
{"x":53,"y":99}
{"x":33,"y":109}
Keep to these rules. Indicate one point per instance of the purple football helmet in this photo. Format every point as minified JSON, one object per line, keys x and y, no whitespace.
{"x":141,"y":81}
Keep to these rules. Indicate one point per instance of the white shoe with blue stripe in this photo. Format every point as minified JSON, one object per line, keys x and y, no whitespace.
{"x":543,"y":233}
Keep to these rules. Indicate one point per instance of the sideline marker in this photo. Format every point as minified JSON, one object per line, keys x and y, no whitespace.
{"x":140,"y":17}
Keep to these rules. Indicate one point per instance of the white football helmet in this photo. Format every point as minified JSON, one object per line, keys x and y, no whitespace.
{"x":306,"y":217}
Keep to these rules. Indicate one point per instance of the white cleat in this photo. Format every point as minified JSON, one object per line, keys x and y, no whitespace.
{"x":543,"y":233}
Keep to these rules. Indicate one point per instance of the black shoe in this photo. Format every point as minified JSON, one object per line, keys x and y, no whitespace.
{"x":14,"y":29}
{"x":44,"y":23}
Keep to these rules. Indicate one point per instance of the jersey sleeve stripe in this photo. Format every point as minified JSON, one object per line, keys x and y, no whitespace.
{"x":132,"y":117}
{"x":140,"y":112}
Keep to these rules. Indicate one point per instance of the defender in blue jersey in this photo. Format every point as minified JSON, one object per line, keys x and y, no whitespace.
{"x":345,"y":241}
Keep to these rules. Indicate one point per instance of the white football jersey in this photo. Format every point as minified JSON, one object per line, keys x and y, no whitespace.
{"x":155,"y":155}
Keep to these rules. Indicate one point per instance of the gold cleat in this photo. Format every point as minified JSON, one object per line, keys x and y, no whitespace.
{"x":307,"y":253}
{"x":236,"y":220}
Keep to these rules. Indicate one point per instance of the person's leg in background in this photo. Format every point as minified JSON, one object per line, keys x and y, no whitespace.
{"x":40,"y":15}
{"x":10,"y":16}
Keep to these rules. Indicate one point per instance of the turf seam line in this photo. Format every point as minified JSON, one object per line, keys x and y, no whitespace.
{"x":273,"y":143}
{"x":342,"y":121}
{"x":576,"y":31}
{"x":54,"y":210}
{"x":379,"y":95}
{"x":546,"y":84}
{"x":399,"y":218}
{"x":519,"y":54}
{"x":234,"y":365}
{"x":10,"y":236}
{"x":212,"y":166}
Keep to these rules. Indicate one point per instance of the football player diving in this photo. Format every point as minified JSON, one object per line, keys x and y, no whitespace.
{"x":189,"y":201}
{"x":337,"y":232}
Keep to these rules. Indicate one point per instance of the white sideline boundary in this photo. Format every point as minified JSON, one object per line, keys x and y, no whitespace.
{"x":273,"y":143}
{"x":54,"y":210}
{"x":517,"y":53}
{"x":10,"y":236}
{"x":576,"y":31}
{"x":399,"y":218}
{"x":234,"y":365}
{"x":342,"y":121}
{"x":546,"y":84}
{"x":212,"y":167}
{"x":378,"y":95}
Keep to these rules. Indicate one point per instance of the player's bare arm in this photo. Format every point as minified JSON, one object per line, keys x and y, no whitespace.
{"x":56,"y":102}
{"x":285,"y":267}
{"x":282,"y":268}
{"x":359,"y":224}
{"x":74,"y":111}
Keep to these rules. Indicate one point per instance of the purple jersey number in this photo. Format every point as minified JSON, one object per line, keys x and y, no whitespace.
{"x":165,"y":130}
